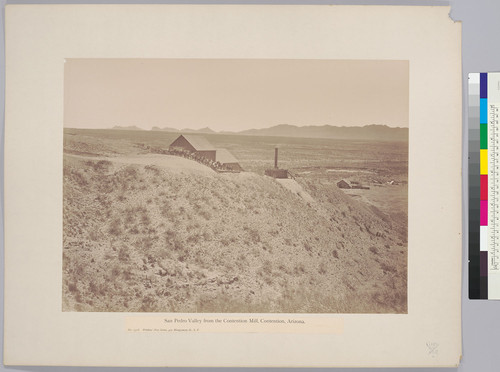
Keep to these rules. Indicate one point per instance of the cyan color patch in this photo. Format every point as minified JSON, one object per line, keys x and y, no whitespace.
{"x":483,"y":111}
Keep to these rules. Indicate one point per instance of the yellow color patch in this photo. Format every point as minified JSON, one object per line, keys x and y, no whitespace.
{"x":483,"y":161}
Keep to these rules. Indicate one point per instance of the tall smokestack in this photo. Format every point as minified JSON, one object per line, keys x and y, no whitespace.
{"x":276,"y":157}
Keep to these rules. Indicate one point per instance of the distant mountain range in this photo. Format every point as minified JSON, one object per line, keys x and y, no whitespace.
{"x":131,"y":127}
{"x":367,"y":132}
{"x":185,"y":130}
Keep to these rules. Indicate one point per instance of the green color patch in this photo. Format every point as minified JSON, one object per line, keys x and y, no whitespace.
{"x":484,"y":136}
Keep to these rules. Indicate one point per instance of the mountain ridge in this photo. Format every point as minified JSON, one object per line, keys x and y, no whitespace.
{"x":366,"y":132}
{"x":371,"y":131}
{"x":129,"y":127}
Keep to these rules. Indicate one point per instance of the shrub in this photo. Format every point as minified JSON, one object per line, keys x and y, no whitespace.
{"x":124,"y":254}
{"x":387,"y":268}
{"x":130,"y":172}
{"x":177,"y":244}
{"x":79,"y":178}
{"x":206,"y":215}
{"x":94,"y":235}
{"x":299,"y":268}
{"x":145,"y":219}
{"x":100,"y":166}
{"x":153,"y":169}
{"x":115,"y":272}
{"x":307,"y":247}
{"x":322,"y":268}
{"x":207,"y":236}
{"x":194,"y":238}
{"x":146,"y":243}
{"x":267,"y":267}
{"x":72,"y":287}
{"x":115,"y":227}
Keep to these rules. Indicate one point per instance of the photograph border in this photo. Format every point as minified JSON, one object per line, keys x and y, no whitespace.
{"x":352,"y":259}
{"x":429,"y":335}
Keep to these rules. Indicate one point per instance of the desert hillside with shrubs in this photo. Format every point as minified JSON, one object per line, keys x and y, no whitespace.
{"x":156,"y":233}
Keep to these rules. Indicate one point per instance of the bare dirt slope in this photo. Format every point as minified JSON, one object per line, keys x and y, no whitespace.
{"x":152,"y":234}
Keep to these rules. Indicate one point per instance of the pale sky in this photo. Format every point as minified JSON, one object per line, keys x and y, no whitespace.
{"x":234,"y":94}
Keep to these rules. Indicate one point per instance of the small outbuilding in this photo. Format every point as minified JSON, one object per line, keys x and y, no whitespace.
{"x":276,"y":172}
{"x":196,"y":144}
{"x":343,"y":185}
{"x":228,"y":160}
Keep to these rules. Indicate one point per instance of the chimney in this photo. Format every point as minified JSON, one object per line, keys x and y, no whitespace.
{"x":276,"y":157}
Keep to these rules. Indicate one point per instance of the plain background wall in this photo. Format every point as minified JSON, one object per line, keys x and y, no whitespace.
{"x":480,"y":53}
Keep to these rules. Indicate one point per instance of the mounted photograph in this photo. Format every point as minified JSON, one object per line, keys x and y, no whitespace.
{"x":235,"y":186}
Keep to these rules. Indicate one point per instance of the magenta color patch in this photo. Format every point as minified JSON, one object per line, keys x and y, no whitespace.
{"x":484,"y":213}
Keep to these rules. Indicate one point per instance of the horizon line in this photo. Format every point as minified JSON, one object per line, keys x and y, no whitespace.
{"x":167,"y":128}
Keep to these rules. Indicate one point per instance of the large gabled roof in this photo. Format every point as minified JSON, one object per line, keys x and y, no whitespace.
{"x":223,"y":156}
{"x":200,"y":143}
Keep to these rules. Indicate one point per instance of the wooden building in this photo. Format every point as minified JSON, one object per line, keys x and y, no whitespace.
{"x":196,"y":144}
{"x":228,"y":160}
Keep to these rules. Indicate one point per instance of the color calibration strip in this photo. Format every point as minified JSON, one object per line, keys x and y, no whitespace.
{"x":484,"y":186}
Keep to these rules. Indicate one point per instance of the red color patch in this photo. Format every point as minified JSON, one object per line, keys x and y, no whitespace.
{"x":484,"y":187}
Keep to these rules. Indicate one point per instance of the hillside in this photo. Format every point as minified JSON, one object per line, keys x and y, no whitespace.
{"x":147,"y":233}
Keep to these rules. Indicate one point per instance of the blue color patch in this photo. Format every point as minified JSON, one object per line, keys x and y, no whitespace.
{"x":483,"y":111}
{"x":483,"y":83}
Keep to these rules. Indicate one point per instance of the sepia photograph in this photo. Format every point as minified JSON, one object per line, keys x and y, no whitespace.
{"x":235,"y":186}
